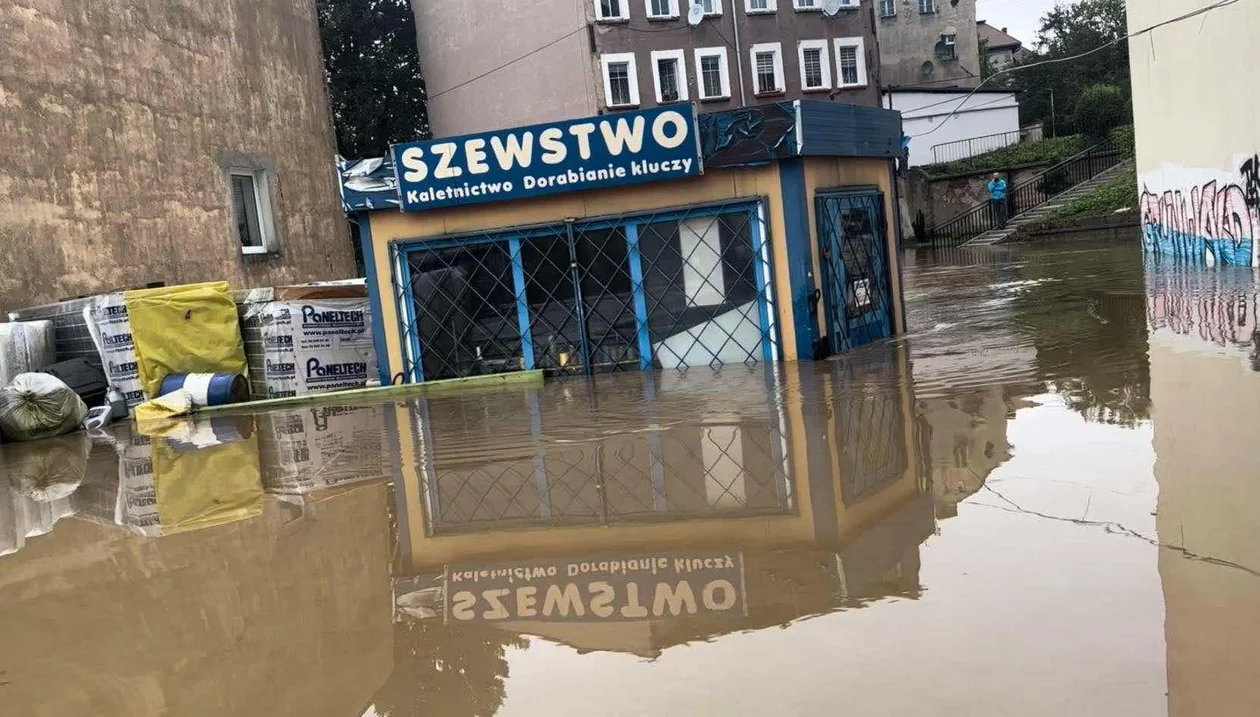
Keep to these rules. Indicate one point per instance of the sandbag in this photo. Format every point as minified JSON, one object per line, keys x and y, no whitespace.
{"x":37,"y":405}
{"x":48,"y":470}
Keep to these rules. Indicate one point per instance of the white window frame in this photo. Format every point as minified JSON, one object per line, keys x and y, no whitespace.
{"x":262,"y":205}
{"x":891,"y":5}
{"x":929,"y":3}
{"x":671,"y":13}
{"x":801,"y":6}
{"x":624,"y":5}
{"x":680,"y":57}
{"x":777,"y":49}
{"x":719,"y":52}
{"x":632,"y":70}
{"x":716,"y":11}
{"x":770,"y":8}
{"x":824,"y":62}
{"x":860,"y":45}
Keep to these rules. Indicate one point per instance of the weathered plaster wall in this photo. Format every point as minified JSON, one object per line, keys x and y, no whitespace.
{"x":909,"y":38}
{"x":944,"y":198}
{"x":115,"y":116}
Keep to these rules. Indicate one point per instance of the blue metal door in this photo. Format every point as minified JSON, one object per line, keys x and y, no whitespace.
{"x":856,"y":291}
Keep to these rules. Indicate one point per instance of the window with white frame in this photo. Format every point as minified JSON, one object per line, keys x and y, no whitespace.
{"x":251,"y":210}
{"x":927,"y":7}
{"x":621,"y":82}
{"x":758,"y":7}
{"x":661,"y":9}
{"x":711,"y":7}
{"x":712,"y":75}
{"x":947,"y":49}
{"x":815,"y":64}
{"x":887,"y":8}
{"x":807,"y":4}
{"x":767,"y":64}
{"x":670,"y":75}
{"x":850,"y":62}
{"x":612,"y":9}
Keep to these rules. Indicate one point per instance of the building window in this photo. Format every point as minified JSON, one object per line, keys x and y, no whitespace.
{"x":712,"y":73}
{"x":251,"y":210}
{"x":887,"y":8}
{"x":758,"y":7}
{"x":621,"y":82}
{"x":767,"y":62}
{"x":711,"y":7}
{"x":927,"y":7}
{"x":946,"y":49}
{"x":612,"y":9}
{"x":851,"y":62}
{"x":670,"y":76}
{"x":662,"y":9}
{"x":815,"y":65}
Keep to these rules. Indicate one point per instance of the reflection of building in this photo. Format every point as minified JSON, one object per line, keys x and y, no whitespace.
{"x":1204,"y":388}
{"x":287,"y":613}
{"x":712,"y":510}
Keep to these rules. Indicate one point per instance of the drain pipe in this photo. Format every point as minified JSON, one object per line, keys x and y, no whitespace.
{"x":739,"y":56}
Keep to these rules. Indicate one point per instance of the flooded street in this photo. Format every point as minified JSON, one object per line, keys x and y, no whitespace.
{"x":1044,"y":500}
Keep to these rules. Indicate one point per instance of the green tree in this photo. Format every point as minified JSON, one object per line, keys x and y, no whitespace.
{"x":373,"y":71}
{"x":1068,"y":31}
{"x":1100,"y":109}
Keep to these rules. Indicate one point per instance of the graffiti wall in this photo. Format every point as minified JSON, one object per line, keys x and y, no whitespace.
{"x":1205,"y":215}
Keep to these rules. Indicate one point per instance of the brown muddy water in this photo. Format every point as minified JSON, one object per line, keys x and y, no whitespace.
{"x":1043,"y":501}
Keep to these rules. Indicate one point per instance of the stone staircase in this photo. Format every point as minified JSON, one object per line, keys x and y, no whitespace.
{"x":1045,"y":209}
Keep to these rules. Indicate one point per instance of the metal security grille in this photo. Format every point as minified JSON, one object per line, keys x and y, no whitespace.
{"x":672,"y":289}
{"x":856,"y":286}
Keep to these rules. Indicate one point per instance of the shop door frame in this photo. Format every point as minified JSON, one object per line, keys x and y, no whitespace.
{"x":844,"y":332}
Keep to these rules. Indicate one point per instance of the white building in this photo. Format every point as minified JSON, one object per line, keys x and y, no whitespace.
{"x":946,"y":124}
{"x":1197,"y":126}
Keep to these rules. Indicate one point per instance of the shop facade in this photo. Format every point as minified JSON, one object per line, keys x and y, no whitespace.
{"x":637,"y":241}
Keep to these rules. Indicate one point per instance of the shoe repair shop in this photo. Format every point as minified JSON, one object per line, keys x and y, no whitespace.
{"x":643,"y":240}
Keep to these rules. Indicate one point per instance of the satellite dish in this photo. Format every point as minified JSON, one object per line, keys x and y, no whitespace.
{"x":831,"y":7}
{"x":695,"y":14}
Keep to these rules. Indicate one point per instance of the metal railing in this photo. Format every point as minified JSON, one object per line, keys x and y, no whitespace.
{"x":970,"y":147}
{"x":1027,"y":195}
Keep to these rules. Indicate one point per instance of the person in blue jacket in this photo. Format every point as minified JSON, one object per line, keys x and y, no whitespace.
{"x":997,"y":200}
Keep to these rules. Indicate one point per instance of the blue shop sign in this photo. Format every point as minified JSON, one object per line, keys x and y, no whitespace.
{"x":611,"y":150}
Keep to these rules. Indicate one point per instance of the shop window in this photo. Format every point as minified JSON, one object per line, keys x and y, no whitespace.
{"x":670,"y":76}
{"x":251,"y":211}
{"x":621,"y":84}
{"x":851,"y":62}
{"x":662,"y":9}
{"x":612,"y":10}
{"x":815,"y":65}
{"x":767,"y":60}
{"x":755,"y":7}
{"x":711,"y":70}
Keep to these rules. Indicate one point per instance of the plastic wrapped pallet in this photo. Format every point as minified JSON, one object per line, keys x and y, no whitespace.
{"x":25,"y":347}
{"x":302,"y":340}
{"x":317,"y":447}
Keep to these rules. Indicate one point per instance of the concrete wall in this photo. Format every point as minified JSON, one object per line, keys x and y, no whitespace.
{"x":937,"y":118}
{"x":1197,"y":127}
{"x":909,"y":39}
{"x":460,"y":41}
{"x":116,"y":118}
{"x":786,"y":26}
{"x":943,"y":198}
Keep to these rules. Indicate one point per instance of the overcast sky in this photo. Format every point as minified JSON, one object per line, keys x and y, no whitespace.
{"x":1021,"y":18}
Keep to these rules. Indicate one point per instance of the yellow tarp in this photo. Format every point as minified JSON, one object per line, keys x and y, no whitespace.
{"x":184,"y":329}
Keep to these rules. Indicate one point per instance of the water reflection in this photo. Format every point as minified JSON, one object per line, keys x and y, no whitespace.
{"x":974,"y":505}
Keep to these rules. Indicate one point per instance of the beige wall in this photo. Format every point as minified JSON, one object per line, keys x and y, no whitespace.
{"x":457,"y":44}
{"x":116,"y":117}
{"x":1196,"y":114}
{"x":1206,"y":423}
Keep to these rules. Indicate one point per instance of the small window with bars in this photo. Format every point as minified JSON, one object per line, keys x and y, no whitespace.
{"x":815,"y":73}
{"x":767,"y":62}
{"x":671,"y":79}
